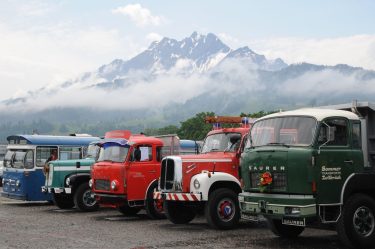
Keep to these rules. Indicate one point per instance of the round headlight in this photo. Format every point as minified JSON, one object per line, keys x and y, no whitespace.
{"x":196,"y":184}
{"x":90,"y":183}
{"x":18,"y":183}
{"x":114,"y":185}
{"x":67,"y":181}
{"x":3,"y":181}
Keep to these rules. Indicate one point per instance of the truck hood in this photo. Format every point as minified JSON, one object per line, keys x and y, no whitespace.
{"x":69,"y":163}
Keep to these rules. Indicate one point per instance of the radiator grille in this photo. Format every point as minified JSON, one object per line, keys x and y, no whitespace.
{"x":102,"y":185}
{"x":279,"y":180}
{"x":167,"y":174}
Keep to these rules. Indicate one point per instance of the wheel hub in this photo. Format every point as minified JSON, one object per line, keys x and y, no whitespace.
{"x":88,"y":200}
{"x":364,"y":221}
{"x":226,"y":209}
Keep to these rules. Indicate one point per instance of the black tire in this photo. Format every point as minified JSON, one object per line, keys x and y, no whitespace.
{"x":83,"y":199}
{"x":178,"y":212}
{"x":154,"y":208}
{"x":284,"y":231}
{"x":126,"y":210}
{"x":356,"y":226}
{"x":222,"y":209}
{"x":63,"y":200}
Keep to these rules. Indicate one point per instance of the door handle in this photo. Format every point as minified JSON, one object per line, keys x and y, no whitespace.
{"x":152,"y":171}
{"x":348,"y":161}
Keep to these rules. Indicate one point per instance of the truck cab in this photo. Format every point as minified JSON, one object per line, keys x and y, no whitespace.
{"x":312,"y":167}
{"x":208,"y":181}
{"x":126,"y":172}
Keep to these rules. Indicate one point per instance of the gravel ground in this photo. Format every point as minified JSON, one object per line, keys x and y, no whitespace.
{"x":41,"y":225}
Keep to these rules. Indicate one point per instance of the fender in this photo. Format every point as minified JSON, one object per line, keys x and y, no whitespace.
{"x":77,"y":178}
{"x":358,"y":182}
{"x":207,"y":179}
{"x":149,"y":186}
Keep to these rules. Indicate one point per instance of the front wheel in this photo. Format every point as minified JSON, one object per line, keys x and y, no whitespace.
{"x":125,"y":209}
{"x":83,"y":198}
{"x":356,"y":226}
{"x":285,"y":231}
{"x":222,"y":209}
{"x":178,"y":213}
{"x":154,"y":208}
{"x":63,"y":200}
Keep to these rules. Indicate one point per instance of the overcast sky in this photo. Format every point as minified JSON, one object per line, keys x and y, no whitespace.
{"x":47,"y":42}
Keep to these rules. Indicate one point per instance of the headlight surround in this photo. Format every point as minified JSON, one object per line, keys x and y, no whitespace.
{"x":67,"y":181}
{"x":90,"y":183}
{"x":196,"y":184}
{"x":114,"y":185}
{"x":18,"y":183}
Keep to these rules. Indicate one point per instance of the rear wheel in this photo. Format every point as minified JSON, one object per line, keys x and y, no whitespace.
{"x":285,"y":231}
{"x":154,"y":208}
{"x":83,"y":198}
{"x":63,"y":200}
{"x":222,"y":209}
{"x":178,"y":213}
{"x":356,"y":227}
{"x":126,"y":210}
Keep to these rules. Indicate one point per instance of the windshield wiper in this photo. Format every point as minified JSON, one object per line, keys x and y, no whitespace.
{"x":281,"y":144}
{"x":214,"y":149}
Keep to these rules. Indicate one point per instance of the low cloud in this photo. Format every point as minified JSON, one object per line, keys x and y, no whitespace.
{"x":139,"y":15}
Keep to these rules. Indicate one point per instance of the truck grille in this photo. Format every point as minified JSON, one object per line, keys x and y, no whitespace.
{"x":167,"y":174}
{"x":279,"y":180}
{"x":102,"y":185}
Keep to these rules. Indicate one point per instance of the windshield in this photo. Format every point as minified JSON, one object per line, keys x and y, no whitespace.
{"x":220,"y":142}
{"x":298,"y":131}
{"x":113,"y":153}
{"x":19,"y":159}
{"x":92,"y":151}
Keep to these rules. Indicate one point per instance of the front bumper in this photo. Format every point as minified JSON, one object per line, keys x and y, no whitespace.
{"x":110,"y":199}
{"x":14,"y":196}
{"x":177,"y":196}
{"x":277,"y":206}
{"x":56,"y":190}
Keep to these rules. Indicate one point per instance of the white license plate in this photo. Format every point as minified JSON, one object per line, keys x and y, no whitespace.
{"x":252,"y":217}
{"x":294,"y":222}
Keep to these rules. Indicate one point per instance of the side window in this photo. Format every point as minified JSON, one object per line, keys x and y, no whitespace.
{"x":158,"y":154}
{"x":339,"y":128}
{"x":357,"y":143}
{"x":143,"y":153}
{"x":69,"y":153}
{"x":43,"y":154}
{"x":29,"y":159}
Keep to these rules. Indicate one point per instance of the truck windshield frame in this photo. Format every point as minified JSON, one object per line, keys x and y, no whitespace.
{"x":219,"y":142}
{"x":113,"y":153}
{"x":284,"y":131}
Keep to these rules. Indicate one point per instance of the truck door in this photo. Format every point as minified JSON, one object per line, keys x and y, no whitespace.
{"x":141,"y":171}
{"x":334,"y":160}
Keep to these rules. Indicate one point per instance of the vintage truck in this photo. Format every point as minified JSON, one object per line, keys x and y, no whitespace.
{"x":313,"y":167}
{"x":208,"y":181}
{"x":126,"y":172}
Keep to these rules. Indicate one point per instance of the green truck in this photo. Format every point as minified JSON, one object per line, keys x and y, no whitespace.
{"x":313,"y":167}
{"x":67,"y":180}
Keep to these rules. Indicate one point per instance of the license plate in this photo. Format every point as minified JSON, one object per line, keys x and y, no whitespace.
{"x":252,"y":217}
{"x":294,"y":222}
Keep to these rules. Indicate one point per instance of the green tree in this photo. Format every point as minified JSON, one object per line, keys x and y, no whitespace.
{"x":195,"y":128}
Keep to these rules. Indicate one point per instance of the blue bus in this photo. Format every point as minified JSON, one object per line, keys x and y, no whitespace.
{"x":26,"y":156}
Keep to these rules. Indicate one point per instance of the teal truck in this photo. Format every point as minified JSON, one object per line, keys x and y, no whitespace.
{"x":67,"y":180}
{"x":313,"y":167}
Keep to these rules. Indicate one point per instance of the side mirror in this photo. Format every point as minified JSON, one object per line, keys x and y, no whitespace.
{"x":78,"y":165}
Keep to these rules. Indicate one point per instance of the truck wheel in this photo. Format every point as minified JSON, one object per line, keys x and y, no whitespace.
{"x":83,"y":199}
{"x":285,"y":231}
{"x":154,"y":208}
{"x":222,"y":209}
{"x":178,"y":213}
{"x":63,"y":201}
{"x":356,"y":226}
{"x":126,"y":210}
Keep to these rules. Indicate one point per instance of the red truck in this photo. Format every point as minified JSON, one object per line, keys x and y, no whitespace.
{"x":209,"y":180}
{"x":126,"y":172}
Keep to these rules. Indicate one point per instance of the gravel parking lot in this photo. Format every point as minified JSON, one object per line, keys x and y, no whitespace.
{"x":41,"y":225}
